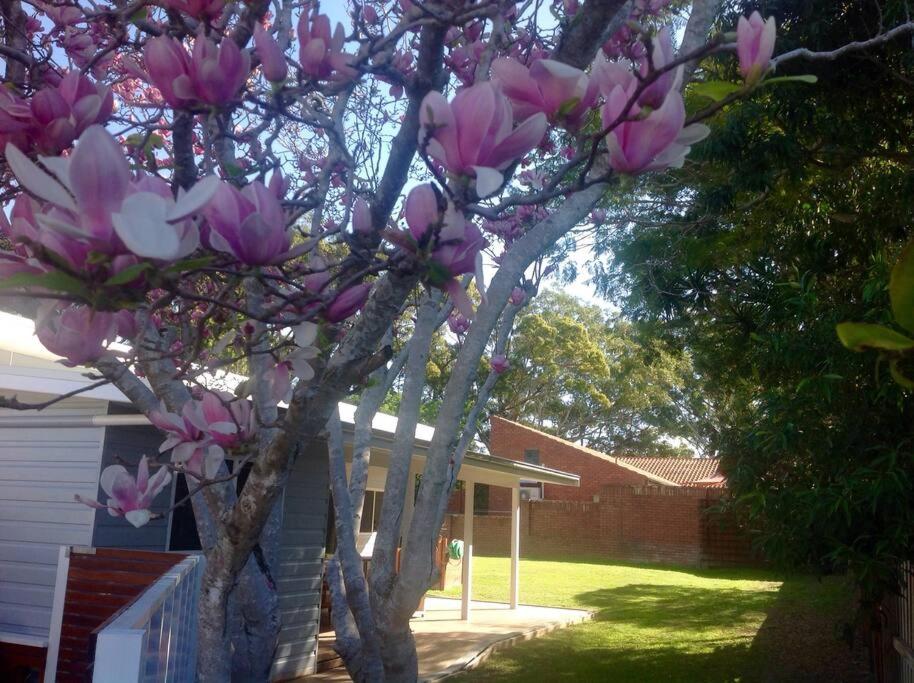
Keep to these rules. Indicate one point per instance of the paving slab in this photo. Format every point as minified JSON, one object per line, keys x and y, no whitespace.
{"x":447,"y":645}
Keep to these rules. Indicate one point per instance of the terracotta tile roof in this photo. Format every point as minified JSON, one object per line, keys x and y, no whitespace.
{"x":704,"y":472}
{"x":698,"y":472}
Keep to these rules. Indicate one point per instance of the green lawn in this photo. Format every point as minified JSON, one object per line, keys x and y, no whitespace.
{"x":672,"y":624}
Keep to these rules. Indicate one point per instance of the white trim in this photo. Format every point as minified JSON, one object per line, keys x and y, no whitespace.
{"x":24,"y":639}
{"x":69,"y":421}
{"x":60,"y":596}
{"x":515,"y":547}
{"x":469,"y":490}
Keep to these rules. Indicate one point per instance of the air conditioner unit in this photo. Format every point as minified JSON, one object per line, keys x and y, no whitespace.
{"x":531,"y":490}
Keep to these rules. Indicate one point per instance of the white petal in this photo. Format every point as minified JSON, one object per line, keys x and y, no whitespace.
{"x":193,"y":200}
{"x":305,"y":334}
{"x":109,"y":474}
{"x":138,"y":518}
{"x":142,"y":227}
{"x":212,"y":461}
{"x":184,"y":451}
{"x":693,"y":134}
{"x":59,"y":166}
{"x":37,"y":181}
{"x":488,"y":180}
{"x":302,"y":370}
{"x":480,"y":279}
{"x":59,"y":225}
{"x":189,"y":240}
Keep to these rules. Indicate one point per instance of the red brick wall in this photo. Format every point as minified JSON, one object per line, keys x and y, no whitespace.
{"x":510,"y":440}
{"x":629,"y":524}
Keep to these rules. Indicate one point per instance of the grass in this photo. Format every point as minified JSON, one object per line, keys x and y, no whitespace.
{"x":672,"y":624}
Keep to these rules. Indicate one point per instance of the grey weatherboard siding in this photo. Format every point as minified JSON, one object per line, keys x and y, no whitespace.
{"x":304,"y":531}
{"x":126,"y":445}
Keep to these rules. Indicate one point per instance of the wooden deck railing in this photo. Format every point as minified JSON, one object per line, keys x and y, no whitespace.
{"x":154,"y":637}
{"x":92,"y":585}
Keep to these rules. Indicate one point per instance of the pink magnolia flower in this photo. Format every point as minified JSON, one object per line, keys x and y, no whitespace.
{"x":347,"y":303}
{"x":93,"y":198}
{"x":199,"y":9}
{"x":661,"y":54}
{"x":16,"y":121}
{"x":128,"y":497}
{"x":319,"y":277}
{"x":213,"y":74}
{"x":452,"y":245}
{"x":75,"y":332}
{"x":369,"y":14}
{"x":361,"y":217}
{"x":169,"y":70}
{"x":218,"y":71}
{"x":194,"y":449}
{"x":249,"y":224}
{"x":229,"y":421}
{"x":272,"y":59}
{"x":754,"y":45}
{"x":499,"y":364}
{"x":472,"y":135}
{"x":458,"y":323}
{"x":320,"y":53}
{"x":64,"y":111}
{"x":639,"y":145}
{"x":561,"y":92}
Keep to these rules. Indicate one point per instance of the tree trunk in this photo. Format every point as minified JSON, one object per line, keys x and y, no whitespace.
{"x":214,"y":665}
{"x":398,"y":652}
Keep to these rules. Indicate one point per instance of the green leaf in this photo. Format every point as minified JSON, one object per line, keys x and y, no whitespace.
{"x":56,"y":281}
{"x":899,"y":376}
{"x":189,"y":264}
{"x":140,"y":15}
{"x":716,"y":90}
{"x":862,"y":336}
{"x":568,"y":106}
{"x":805,"y":78}
{"x":129,"y":274}
{"x":901,"y":288}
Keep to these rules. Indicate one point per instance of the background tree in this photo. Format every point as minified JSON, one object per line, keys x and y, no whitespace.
{"x":594,"y":378}
{"x":779,"y":229}
{"x":184,"y":171}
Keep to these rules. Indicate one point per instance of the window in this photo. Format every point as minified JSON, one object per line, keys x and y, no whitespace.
{"x":532,"y":456}
{"x":371,"y":511}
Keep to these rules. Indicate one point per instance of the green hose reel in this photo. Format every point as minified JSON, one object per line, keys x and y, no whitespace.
{"x":455,"y":549}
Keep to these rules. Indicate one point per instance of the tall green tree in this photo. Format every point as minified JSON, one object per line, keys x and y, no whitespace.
{"x":792,"y":211}
{"x":595,"y":378}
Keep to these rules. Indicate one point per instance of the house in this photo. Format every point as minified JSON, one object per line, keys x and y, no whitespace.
{"x":518,"y":442}
{"x":49,"y":456}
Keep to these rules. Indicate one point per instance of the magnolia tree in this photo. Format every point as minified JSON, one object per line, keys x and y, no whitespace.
{"x":248,"y":192}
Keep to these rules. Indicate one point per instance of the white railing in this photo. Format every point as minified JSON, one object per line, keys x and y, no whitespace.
{"x":155,"y":638}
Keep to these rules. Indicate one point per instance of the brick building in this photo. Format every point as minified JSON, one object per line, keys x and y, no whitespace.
{"x":629,"y":509}
{"x":597,"y":470}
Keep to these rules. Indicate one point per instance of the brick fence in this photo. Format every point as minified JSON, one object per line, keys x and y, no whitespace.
{"x":629,"y":524}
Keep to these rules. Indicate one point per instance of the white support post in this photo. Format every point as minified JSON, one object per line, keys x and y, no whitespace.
{"x":515,"y":544}
{"x":60,"y":594}
{"x":469,"y":489}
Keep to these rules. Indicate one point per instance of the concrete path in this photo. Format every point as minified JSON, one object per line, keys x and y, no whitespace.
{"x":447,"y":645}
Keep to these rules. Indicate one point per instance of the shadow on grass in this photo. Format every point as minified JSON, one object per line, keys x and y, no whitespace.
{"x":682,"y":634}
{"x":647,"y":606}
